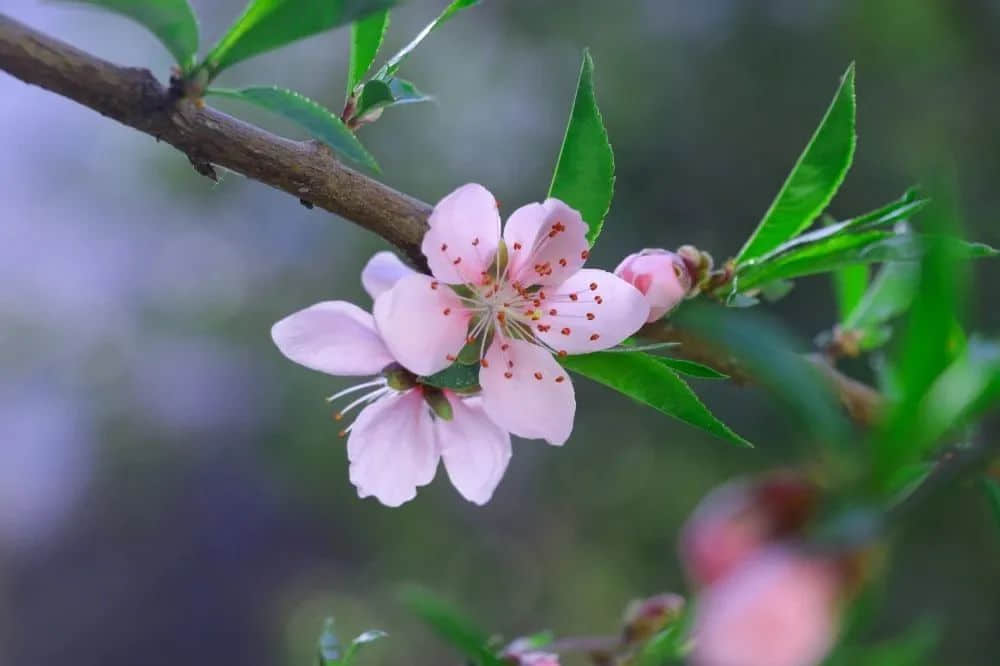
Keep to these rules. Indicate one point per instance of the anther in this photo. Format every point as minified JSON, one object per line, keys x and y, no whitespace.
{"x":337,"y":416}
{"x":517,"y":246}
{"x":584,"y":255}
{"x":538,"y":376}
{"x":574,"y":297}
{"x":563,"y":353}
{"x":560,"y":379}
{"x":458,"y":260}
{"x":565,"y":331}
{"x":543,"y":328}
{"x":450,"y":357}
{"x":504,"y":347}
{"x":590,"y":316}
{"x":444,"y":247}
{"x":475,"y":241}
{"x":595,"y":336}
{"x":508,"y":375}
{"x":593,"y":286}
{"x":447,"y":311}
{"x":562,"y":262}
{"x":553,"y":312}
{"x":598,"y":300}
{"x":434,"y":284}
{"x":484,"y":363}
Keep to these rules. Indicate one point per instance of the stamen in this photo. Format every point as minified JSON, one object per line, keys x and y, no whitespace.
{"x":593,"y":286}
{"x":595,"y":336}
{"x":368,"y":397}
{"x":565,"y":331}
{"x":538,"y":376}
{"x":560,"y":379}
{"x":447,"y":311}
{"x":591,"y":316}
{"x":357,"y":387}
{"x":584,"y":255}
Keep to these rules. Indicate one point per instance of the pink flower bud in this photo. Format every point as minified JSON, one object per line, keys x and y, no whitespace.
{"x":777,"y":609}
{"x":737,"y":519}
{"x":661,"y":276}
{"x":645,"y":617}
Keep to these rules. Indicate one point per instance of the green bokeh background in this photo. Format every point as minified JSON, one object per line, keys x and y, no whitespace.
{"x":214,"y":522}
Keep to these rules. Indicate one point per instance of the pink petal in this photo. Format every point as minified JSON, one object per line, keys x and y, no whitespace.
{"x":474,"y":449}
{"x":381,"y":272}
{"x":392,"y":448}
{"x":463,"y":236}
{"x":546,"y":243}
{"x":526,"y":392}
{"x":593,"y":310}
{"x":422,"y":322}
{"x":334,"y":337}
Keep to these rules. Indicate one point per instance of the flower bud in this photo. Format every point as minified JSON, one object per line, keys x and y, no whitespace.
{"x":779,"y":608}
{"x":661,"y":276}
{"x":739,"y":518}
{"x":643,"y":618}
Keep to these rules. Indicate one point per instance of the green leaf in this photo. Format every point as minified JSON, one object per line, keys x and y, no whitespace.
{"x":690,"y":368}
{"x":888,"y":296}
{"x":992,"y":489}
{"x":824,"y":256}
{"x":392,"y":65}
{"x":172,"y":21}
{"x":866,"y":247}
{"x":457,"y":377}
{"x":648,"y":380}
{"x":584,"y":176}
{"x":928,"y":347}
{"x":451,"y":625}
{"x":317,"y":120}
{"x":375,"y":94}
{"x":892,"y":212}
{"x":404,"y":92}
{"x":366,"y":38}
{"x":849,"y":285}
{"x":269,"y":24}
{"x":359,"y":641}
{"x":767,"y":352}
{"x":814,"y":179}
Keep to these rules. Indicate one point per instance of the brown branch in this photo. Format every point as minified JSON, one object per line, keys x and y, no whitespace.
{"x":307,"y":170}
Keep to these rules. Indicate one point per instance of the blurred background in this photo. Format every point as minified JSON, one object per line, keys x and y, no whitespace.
{"x":172,"y":491}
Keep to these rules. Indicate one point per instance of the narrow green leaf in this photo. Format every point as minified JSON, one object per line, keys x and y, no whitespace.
{"x":849,"y":285}
{"x":451,"y":625}
{"x":404,"y":92}
{"x":927,"y":348}
{"x":824,"y":256}
{"x":359,"y":641}
{"x":866,"y":247}
{"x":813,"y":180}
{"x":317,"y":120}
{"x":269,"y":24}
{"x":392,"y":65}
{"x":690,"y":368}
{"x":767,"y":352}
{"x":648,"y":380}
{"x":992,"y":489}
{"x":888,"y":296}
{"x":366,"y":38}
{"x":585,"y":172}
{"x":172,"y":21}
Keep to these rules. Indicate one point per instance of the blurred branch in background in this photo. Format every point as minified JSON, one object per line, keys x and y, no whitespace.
{"x":305,"y":169}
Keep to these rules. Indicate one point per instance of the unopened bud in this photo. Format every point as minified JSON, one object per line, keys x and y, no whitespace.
{"x":646,"y":617}
{"x":662,"y":277}
{"x":739,"y":518}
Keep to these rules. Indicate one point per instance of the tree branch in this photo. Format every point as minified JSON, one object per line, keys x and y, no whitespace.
{"x":307,"y":170}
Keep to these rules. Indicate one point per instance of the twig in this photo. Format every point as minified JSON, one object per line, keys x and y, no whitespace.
{"x":307,"y":170}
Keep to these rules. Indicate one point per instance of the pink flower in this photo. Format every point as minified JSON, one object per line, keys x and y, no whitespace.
{"x":777,"y":609}
{"x":737,"y":519}
{"x":661,"y":276}
{"x":396,"y":440}
{"x":534,"y":658}
{"x":520,"y":298}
